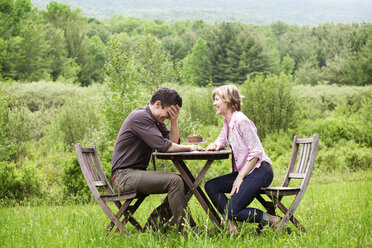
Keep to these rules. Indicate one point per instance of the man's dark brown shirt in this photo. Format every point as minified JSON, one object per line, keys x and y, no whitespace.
{"x":139,"y":135}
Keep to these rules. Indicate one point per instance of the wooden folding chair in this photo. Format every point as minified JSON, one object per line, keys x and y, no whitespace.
{"x":97,"y":181}
{"x":307,"y":149}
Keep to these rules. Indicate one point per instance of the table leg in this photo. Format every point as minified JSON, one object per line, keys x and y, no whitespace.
{"x":199,"y":178}
{"x":195,"y":188}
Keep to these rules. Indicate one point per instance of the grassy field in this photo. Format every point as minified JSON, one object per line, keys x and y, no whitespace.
{"x":336,"y":212}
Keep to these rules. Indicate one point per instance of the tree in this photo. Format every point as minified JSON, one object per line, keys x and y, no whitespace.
{"x":156,"y":66}
{"x":219,"y":41}
{"x":27,"y":53}
{"x":3,"y":49}
{"x":234,"y":53}
{"x":308,"y":73}
{"x":196,"y":69}
{"x":287,"y":65}
{"x":97,"y":54}
{"x":74,"y":26}
{"x":132,"y":75}
{"x":179,"y":46}
{"x":366,"y":64}
{"x":57,"y":52}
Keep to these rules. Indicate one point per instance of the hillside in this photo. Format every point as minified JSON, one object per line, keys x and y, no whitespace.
{"x":301,"y":12}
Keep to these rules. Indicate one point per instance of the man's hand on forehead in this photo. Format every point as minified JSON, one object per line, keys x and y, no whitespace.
{"x":173,"y":112}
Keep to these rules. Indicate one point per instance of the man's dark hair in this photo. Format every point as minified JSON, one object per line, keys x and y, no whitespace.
{"x":167,"y":97}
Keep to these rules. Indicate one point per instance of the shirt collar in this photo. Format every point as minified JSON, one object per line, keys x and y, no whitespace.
{"x":234,"y":116}
{"x":148,"y":110}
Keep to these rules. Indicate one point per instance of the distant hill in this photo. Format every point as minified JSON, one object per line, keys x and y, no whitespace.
{"x":301,"y":12}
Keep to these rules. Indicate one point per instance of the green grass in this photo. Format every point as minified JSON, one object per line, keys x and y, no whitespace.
{"x":336,"y":212}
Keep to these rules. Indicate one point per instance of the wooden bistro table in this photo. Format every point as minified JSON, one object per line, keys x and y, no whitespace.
{"x":178,"y":159}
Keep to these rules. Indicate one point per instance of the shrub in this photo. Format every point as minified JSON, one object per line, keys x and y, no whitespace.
{"x":339,"y":128}
{"x":75,"y":187}
{"x":278,"y":147}
{"x":269,"y":103}
{"x":318,"y":102}
{"x":199,"y":103}
{"x":20,"y":183}
{"x":345,"y":156}
{"x":74,"y":122}
{"x":74,"y":184}
{"x":7,"y":146}
{"x":39,"y":95}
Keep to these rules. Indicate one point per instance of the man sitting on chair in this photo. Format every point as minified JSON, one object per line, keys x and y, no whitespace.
{"x":142,"y":132}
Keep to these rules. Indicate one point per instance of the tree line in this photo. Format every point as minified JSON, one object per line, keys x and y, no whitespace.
{"x":61,"y":44}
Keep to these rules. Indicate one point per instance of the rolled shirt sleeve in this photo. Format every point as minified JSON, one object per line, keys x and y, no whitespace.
{"x":147,"y":130}
{"x":249,"y":133}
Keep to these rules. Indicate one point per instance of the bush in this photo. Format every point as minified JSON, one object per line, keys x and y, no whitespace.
{"x":345,"y":156}
{"x":198,"y":103}
{"x":337,"y":129}
{"x":74,"y":184}
{"x":278,"y":147}
{"x":269,"y":103}
{"x":318,"y":102}
{"x":75,"y":122}
{"x":20,"y":183}
{"x":39,"y":95}
{"x":7,"y":146}
{"x":75,"y":187}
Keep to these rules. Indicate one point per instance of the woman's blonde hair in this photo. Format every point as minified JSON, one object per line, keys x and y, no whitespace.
{"x":230,"y":95}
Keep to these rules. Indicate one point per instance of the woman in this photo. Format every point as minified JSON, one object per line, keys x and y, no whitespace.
{"x":251,"y":166}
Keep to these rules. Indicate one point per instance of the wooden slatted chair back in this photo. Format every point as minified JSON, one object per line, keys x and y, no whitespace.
{"x":302,"y":160}
{"x":92,"y":169}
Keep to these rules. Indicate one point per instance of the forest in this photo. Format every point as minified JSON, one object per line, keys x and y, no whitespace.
{"x":66,"y":79}
{"x":303,"y":12}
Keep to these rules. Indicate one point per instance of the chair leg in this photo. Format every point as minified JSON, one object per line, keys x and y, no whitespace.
{"x":128,"y":212}
{"x":269,"y":206}
{"x":114,"y":219}
{"x":118,"y":215}
{"x":288,"y":216}
{"x":131,"y":210}
{"x":275,"y":202}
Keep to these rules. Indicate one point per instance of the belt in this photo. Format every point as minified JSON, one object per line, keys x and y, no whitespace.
{"x":116,"y":172}
{"x":264,"y":163}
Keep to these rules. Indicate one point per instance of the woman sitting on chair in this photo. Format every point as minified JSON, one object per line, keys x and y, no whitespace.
{"x":250,"y":164}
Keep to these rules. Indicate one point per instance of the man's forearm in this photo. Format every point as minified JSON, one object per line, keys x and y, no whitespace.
{"x":180,"y":148}
{"x":174,"y":135}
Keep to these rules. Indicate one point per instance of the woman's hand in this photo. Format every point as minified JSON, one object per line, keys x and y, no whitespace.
{"x":236,"y":186}
{"x":213,"y":147}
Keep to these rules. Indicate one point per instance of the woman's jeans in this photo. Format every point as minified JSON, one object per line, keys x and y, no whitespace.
{"x":235,"y":208}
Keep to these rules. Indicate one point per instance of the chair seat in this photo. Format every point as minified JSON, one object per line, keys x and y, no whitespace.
{"x":279,"y":191}
{"x":116,"y":197}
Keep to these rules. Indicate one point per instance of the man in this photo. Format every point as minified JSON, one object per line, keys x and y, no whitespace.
{"x":142,"y":132}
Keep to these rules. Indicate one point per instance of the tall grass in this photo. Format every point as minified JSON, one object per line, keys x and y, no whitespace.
{"x":336,"y":212}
